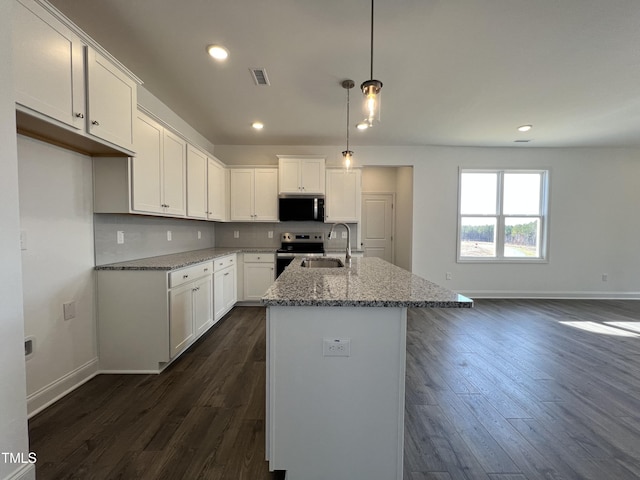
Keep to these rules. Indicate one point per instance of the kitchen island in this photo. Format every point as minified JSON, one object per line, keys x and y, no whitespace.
{"x":336,"y":343}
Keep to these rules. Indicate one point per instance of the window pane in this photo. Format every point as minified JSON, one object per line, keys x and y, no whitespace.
{"x":521,"y":237}
{"x":478,"y":237}
{"x":521,"y":194}
{"x":478,"y":195}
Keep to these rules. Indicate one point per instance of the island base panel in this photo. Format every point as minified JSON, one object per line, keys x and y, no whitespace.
{"x":332,"y":416}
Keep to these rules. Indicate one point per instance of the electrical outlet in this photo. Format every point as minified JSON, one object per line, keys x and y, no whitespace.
{"x":336,"y":347}
{"x":448,"y":276}
{"x":605,"y":277}
{"x":199,"y":234}
{"x":236,"y":234}
{"x":69,"y":310}
{"x":120,"y":237}
{"x":344,"y":235}
{"x":270,"y":234}
{"x":169,"y":236}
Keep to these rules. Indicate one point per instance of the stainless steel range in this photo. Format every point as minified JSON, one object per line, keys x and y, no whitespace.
{"x":294,"y":245}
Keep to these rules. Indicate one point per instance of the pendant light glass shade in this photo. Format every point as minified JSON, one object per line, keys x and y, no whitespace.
{"x":372,"y":96}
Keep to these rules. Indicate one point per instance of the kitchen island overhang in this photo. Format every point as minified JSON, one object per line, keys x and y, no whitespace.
{"x":340,"y":413}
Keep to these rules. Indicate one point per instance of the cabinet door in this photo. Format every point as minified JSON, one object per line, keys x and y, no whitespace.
{"x":181,"y":331}
{"x":146,"y":167}
{"x":174,"y":174}
{"x":48,"y":66}
{"x":112,"y":101}
{"x":203,"y":304}
{"x":258,"y":277}
{"x":196,"y":183}
{"x":266,"y":194}
{"x":242,"y":194}
{"x":229,"y":288}
{"x":289,"y":175}
{"x":217,"y":191}
{"x":312,"y":175}
{"x":343,"y":197}
{"x":218,"y":295}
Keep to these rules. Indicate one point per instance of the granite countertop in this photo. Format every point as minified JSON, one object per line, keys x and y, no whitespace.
{"x":179,"y":260}
{"x":369,"y":282}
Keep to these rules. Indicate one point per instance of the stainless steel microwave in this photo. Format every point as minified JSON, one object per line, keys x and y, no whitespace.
{"x":301,"y":208}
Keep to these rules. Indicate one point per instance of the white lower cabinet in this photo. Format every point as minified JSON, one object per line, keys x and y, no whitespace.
{"x":259,"y":274}
{"x":224,"y":286}
{"x":146,"y":318}
{"x":191,"y":312}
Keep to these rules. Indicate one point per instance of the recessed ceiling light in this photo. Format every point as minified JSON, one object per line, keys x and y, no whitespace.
{"x":258,"y":125}
{"x":362,"y":126}
{"x":525,"y":128}
{"x":218,"y":52}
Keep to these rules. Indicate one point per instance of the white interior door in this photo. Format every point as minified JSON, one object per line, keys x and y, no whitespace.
{"x":377,"y":225}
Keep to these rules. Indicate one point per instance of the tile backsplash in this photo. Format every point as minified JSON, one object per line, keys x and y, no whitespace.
{"x":147,"y":236}
{"x":256,"y":235}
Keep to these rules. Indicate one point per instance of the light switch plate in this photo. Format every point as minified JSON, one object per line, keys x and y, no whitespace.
{"x":168,"y":235}
{"x":120,"y":237}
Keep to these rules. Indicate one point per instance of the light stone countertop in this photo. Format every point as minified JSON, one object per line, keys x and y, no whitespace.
{"x":369,"y":282}
{"x":179,"y":260}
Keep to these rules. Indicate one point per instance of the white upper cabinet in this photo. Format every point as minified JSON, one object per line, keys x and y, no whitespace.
{"x":344,"y":192}
{"x":112,"y":101}
{"x":49,"y":80}
{"x":254,"y":194}
{"x":67,"y":89}
{"x":158,"y":183}
{"x":217,"y":191}
{"x":301,"y":175}
{"x":196,"y":183}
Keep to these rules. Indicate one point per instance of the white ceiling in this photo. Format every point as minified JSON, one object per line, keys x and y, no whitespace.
{"x":455,"y":72}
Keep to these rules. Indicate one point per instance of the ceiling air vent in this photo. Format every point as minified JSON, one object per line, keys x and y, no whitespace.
{"x":260,"y":76}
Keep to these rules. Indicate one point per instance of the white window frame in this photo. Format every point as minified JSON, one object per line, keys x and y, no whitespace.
{"x":500,"y":217}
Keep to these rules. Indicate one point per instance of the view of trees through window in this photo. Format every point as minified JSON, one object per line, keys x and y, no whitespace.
{"x":501,"y":214}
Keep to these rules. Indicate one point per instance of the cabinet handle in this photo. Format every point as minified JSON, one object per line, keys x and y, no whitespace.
{"x":80,"y":115}
{"x":226,"y":274}
{"x":95,"y":122}
{"x":206,"y":269}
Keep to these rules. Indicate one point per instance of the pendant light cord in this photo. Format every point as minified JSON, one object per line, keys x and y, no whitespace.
{"x":348,"y":119}
{"x":371,"y":39}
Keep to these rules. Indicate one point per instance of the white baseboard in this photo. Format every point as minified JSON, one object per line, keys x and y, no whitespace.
{"x":25,"y":472}
{"x":553,"y":295}
{"x":38,"y":401}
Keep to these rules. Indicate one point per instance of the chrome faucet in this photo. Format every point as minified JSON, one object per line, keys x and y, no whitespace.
{"x":348,"y":253}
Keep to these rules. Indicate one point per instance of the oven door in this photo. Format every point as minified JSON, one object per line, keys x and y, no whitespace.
{"x":282,"y":261}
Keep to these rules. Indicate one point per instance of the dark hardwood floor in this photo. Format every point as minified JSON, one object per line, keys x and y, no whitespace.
{"x":505,"y":391}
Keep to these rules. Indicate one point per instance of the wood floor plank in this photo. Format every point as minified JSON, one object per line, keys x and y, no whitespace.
{"x":504,"y":391}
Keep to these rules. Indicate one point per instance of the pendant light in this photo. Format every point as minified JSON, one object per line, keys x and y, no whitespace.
{"x":371,"y":90}
{"x":347,"y":155}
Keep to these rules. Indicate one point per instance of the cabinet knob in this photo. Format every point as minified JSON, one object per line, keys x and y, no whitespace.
{"x":80,"y":115}
{"x":95,"y":122}
{"x":185,"y":276}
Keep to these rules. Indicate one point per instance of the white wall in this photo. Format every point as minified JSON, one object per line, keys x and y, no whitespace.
{"x":13,"y":412}
{"x":404,"y":217}
{"x":593,"y":225}
{"x":56,"y":214}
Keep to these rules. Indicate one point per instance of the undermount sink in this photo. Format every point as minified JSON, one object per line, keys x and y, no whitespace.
{"x":322,"y":263}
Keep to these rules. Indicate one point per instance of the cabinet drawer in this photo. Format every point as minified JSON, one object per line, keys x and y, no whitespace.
{"x":185,"y":275}
{"x":223,"y":262}
{"x":259,"y":258}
